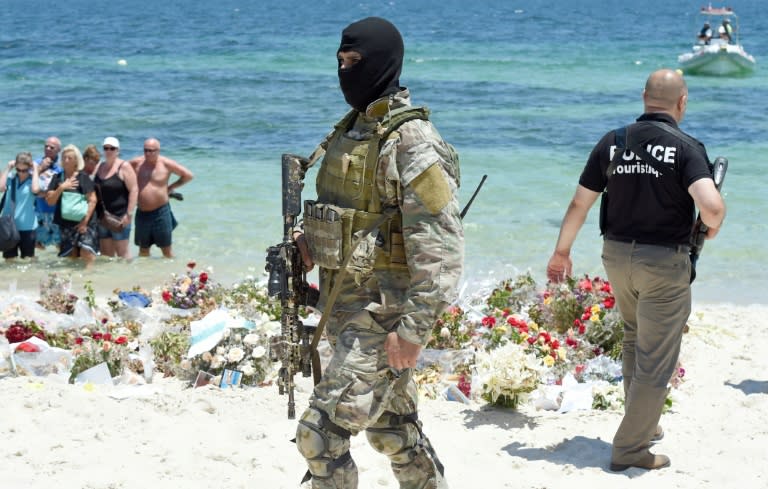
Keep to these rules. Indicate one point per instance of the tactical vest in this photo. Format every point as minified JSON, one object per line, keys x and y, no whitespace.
{"x":348,"y":200}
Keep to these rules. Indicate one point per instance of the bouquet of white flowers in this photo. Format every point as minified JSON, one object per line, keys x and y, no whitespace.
{"x":507,"y":373}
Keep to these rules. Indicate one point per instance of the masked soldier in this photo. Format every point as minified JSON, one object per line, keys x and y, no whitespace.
{"x":388,"y":177}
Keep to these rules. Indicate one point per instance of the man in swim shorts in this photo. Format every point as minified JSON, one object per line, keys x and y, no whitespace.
{"x":154,"y":221}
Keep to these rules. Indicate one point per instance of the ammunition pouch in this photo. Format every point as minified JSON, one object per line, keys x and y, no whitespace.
{"x":330,"y":231}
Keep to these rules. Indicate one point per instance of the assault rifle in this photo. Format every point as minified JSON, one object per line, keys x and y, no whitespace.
{"x":699,"y":233}
{"x":288,"y":282}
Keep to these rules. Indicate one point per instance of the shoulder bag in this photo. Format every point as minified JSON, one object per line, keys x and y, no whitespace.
{"x":110,"y":221}
{"x":74,"y":206}
{"x":9,"y":234}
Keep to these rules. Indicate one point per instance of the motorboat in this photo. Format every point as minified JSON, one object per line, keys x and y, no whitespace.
{"x":717,"y":51}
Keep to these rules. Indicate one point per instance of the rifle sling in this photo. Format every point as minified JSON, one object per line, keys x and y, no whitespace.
{"x":333,"y":295}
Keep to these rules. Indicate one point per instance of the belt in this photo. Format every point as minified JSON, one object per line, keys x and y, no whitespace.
{"x":676,"y":246}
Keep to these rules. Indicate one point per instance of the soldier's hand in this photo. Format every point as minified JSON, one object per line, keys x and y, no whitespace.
{"x":306,"y":257}
{"x":559,"y":267}
{"x":401,"y":354}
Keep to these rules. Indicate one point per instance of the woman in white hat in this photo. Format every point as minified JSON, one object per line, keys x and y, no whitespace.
{"x":117,"y":190}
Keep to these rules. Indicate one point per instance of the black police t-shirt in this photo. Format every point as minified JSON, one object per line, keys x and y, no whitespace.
{"x":644,"y":204}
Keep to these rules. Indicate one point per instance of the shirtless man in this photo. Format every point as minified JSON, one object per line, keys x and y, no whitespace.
{"x":154,"y":220}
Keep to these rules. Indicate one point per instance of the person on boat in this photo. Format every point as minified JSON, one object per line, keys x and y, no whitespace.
{"x":705,"y":34}
{"x":726,"y":31}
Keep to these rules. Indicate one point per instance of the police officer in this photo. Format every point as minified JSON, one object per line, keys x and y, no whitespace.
{"x":648,"y":217}
{"x":385,"y":170}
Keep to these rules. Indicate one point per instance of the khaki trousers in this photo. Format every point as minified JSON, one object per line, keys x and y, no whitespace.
{"x":651,"y":284}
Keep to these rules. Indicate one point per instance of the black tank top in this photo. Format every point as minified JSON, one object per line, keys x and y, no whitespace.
{"x":113,"y":193}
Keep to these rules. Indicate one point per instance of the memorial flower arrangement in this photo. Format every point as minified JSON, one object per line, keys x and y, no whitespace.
{"x":452,"y":330}
{"x":93,"y":347}
{"x":507,"y":373}
{"x":19,"y":331}
{"x":56,"y":295}
{"x":243,"y":349}
{"x":190,"y":290}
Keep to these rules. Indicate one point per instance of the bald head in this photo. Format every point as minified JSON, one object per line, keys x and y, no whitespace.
{"x":666,"y":91}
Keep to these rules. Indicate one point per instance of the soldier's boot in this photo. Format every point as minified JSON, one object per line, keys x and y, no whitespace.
{"x":325,"y":446}
{"x":413,"y":459}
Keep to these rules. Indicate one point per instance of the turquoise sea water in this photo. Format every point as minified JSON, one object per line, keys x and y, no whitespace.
{"x":523,"y":89}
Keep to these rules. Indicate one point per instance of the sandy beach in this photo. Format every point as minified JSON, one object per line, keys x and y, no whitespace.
{"x":168,"y":435}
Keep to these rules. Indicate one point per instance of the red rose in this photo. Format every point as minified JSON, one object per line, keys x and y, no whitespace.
{"x":103,"y":320}
{"x":531,"y":340}
{"x":464,"y":386}
{"x":27,"y":347}
{"x":572,"y":342}
{"x":489,"y":321}
{"x":121,"y":340}
{"x":203,"y":277}
{"x":78,"y":341}
{"x":609,"y":302}
{"x":17,"y":334}
{"x":106,"y":337}
{"x":607,"y":288}
{"x":555,"y":344}
{"x":582,"y":329}
{"x":97,"y":335}
{"x":585,"y":284}
{"x":191,"y":265}
{"x":166,"y":296}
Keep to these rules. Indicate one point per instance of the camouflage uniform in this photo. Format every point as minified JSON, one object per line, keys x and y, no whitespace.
{"x":417,"y":174}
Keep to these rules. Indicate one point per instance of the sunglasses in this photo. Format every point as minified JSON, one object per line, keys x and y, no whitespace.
{"x":22,"y":170}
{"x":147,"y":150}
{"x":109,"y":148}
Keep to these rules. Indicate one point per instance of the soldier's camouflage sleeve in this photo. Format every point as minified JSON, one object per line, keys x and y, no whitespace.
{"x":425,"y":179}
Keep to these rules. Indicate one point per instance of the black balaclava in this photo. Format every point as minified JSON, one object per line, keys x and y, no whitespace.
{"x":378,"y":72}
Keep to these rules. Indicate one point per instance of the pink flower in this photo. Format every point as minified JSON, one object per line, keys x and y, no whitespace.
{"x":585,"y":284}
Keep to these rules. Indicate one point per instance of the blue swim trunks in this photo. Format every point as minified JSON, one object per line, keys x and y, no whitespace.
{"x":154,"y":227}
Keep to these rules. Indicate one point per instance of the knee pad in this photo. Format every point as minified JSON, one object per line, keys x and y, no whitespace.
{"x":394,"y":438}
{"x":387,"y":440}
{"x":322,"y":443}
{"x":311,"y":440}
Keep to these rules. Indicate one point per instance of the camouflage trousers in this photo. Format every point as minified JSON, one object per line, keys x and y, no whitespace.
{"x":360,"y":392}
